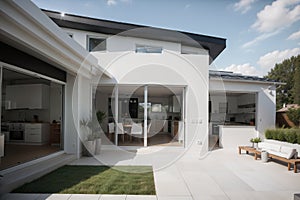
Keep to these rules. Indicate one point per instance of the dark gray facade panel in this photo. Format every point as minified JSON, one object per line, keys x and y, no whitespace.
{"x":13,"y":56}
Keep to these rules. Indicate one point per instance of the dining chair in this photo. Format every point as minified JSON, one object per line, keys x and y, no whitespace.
{"x":111,"y":129}
{"x":136,"y":130}
{"x":121,"y":130}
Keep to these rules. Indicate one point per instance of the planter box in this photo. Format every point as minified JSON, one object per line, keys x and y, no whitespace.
{"x":89,"y":148}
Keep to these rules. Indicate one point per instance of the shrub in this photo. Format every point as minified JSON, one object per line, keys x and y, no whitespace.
{"x":275,"y":134}
{"x":281,"y":135}
{"x":269,"y":134}
{"x":291,"y":136}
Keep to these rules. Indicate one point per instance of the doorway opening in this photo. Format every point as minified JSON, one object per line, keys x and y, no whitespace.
{"x":31,"y":116}
{"x":142,"y":115}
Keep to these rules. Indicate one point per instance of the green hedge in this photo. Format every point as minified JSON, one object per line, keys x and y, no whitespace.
{"x":285,"y":135}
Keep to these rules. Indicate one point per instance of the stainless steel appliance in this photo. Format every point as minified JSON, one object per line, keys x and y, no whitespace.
{"x":16,"y":132}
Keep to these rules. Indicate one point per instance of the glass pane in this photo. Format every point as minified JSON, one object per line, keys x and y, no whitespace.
{"x":97,"y":44}
{"x":148,"y":49}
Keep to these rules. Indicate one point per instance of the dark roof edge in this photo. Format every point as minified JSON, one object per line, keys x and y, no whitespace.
{"x":231,"y":76}
{"x":215,"y":45}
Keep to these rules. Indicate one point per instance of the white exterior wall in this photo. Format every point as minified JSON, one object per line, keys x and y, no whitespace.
{"x":266,"y":110}
{"x":81,"y":36}
{"x":78,"y":100}
{"x":168,"y":69}
{"x":70,"y":133}
{"x":266,"y":99}
{"x":233,"y":136}
{"x":118,"y":43}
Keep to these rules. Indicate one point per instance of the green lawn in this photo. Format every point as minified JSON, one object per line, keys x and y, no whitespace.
{"x":94,"y":180}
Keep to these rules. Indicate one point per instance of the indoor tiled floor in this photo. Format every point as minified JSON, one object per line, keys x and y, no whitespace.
{"x":16,"y":154}
{"x":161,"y":139}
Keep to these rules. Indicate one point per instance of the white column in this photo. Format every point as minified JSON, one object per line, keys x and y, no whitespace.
{"x":183,"y":116}
{"x":145,"y":114}
{"x":116,"y":114}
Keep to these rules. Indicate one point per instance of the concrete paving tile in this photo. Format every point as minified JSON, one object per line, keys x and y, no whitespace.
{"x":201,"y":184}
{"x":139,"y":197}
{"x":43,"y":196}
{"x":260,"y":181}
{"x":228,"y":181}
{"x":170,"y":182}
{"x":85,"y":197}
{"x":59,"y":197}
{"x":175,"y":198}
{"x":211,"y":197}
{"x":257,"y":195}
{"x":112,"y":197}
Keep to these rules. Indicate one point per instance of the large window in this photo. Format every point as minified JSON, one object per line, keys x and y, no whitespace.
{"x":31,"y":115}
{"x":96,"y":44}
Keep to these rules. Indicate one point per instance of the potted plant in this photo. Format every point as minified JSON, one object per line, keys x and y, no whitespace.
{"x":91,"y":133}
{"x":256,"y":141}
{"x":87,"y":137}
{"x":100,"y":118}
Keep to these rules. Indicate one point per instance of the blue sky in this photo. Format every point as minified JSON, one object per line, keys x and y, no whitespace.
{"x":259,"y":33}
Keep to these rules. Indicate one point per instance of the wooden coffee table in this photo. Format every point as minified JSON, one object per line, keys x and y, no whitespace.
{"x":250,"y":150}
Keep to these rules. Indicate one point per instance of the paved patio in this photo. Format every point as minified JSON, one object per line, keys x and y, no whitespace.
{"x":222,"y":174}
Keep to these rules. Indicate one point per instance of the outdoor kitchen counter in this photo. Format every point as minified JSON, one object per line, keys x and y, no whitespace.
{"x":232,"y":136}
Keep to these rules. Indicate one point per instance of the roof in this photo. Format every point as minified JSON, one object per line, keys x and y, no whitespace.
{"x":227,"y":75}
{"x":287,"y":107}
{"x":215,"y":45}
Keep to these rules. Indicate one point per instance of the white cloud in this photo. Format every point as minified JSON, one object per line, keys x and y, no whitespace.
{"x":115,"y":2}
{"x":265,"y":63}
{"x":279,"y":15}
{"x":259,"y":38}
{"x":111,"y":2}
{"x":243,"y":5}
{"x":269,"y":60}
{"x":294,"y":36}
{"x":245,"y":69}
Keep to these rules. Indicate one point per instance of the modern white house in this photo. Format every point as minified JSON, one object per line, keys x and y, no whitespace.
{"x":59,"y":69}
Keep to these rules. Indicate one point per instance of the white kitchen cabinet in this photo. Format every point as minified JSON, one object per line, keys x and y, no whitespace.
{"x":37,"y":133}
{"x":29,"y":96}
{"x":232,"y":105}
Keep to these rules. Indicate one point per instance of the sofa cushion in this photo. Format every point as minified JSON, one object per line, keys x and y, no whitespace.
{"x":269,"y":146}
{"x":290,"y":152}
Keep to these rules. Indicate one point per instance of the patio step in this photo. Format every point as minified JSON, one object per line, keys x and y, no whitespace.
{"x":16,"y":177}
